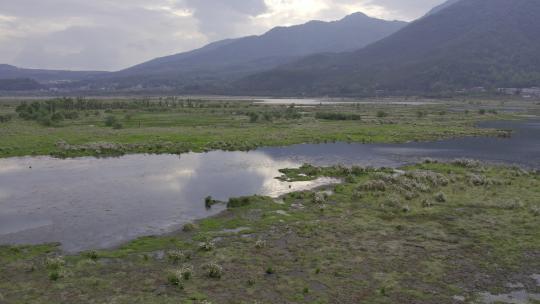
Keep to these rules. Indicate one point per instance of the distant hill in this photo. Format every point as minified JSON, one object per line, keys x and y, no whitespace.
{"x":12,"y":72}
{"x":470,"y":43}
{"x":231,"y":59}
{"x":19,"y":84}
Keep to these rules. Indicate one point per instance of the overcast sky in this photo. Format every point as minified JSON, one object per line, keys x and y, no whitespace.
{"x":114,"y":34}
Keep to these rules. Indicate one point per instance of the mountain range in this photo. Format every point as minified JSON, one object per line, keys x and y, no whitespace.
{"x":11,"y":72}
{"x":458,"y":45}
{"x":233,"y":58}
{"x":463,"y":44}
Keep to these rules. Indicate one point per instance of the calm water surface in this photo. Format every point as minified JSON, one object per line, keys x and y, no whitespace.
{"x":89,"y":203}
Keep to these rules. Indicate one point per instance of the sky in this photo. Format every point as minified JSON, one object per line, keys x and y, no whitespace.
{"x":114,"y":34}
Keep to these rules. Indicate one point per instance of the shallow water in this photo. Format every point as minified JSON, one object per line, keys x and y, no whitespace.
{"x":89,"y":203}
{"x":333,"y":101}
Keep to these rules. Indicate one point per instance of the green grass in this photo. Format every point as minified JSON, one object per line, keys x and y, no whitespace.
{"x":362,"y":247}
{"x":227,"y":126}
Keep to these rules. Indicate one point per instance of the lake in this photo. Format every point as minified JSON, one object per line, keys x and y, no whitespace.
{"x":91,"y":203}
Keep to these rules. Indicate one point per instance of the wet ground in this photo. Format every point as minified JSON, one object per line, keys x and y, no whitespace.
{"x":89,"y":203}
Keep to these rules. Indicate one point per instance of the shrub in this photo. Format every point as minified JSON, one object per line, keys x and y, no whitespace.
{"x":175,"y":278}
{"x":92,"y":255}
{"x":337,"y":116}
{"x":176,"y":256}
{"x":207,"y":246}
{"x":260,"y":244}
{"x":239,"y":202}
{"x":117,"y":126}
{"x":427,"y":203}
{"x":209,"y":202}
{"x":189,"y":227}
{"x":381,"y":114}
{"x":441,"y":197}
{"x":110,"y":120}
{"x":71,"y":115}
{"x":478,"y":180}
{"x":393,"y":201}
{"x":55,"y":275}
{"x":253,"y":117}
{"x":374,"y":185}
{"x":185,"y":273}
{"x":5,"y":118}
{"x":270,"y":270}
{"x":466,"y":163}
{"x":319,"y":198}
{"x":55,"y":263}
{"x":56,"y":117}
{"x":213,"y":270}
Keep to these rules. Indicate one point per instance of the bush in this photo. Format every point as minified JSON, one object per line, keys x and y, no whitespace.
{"x":207,"y":246}
{"x":175,"y":278}
{"x":466,"y":163}
{"x":186,"y":272}
{"x":189,"y":227}
{"x":176,"y":256}
{"x":55,"y":275}
{"x":441,"y":197}
{"x":260,"y":244}
{"x":319,"y":198}
{"x":382,"y":114}
{"x":110,"y":121}
{"x":253,"y":117}
{"x":213,"y":270}
{"x":374,"y":185}
{"x":55,"y":263}
{"x":209,"y":202}
{"x":5,"y":118}
{"x":239,"y":202}
{"x":71,"y":115}
{"x":92,"y":255}
{"x":337,"y":116}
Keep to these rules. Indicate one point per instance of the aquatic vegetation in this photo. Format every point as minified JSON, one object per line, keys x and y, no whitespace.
{"x":92,"y":255}
{"x":176,"y":256}
{"x":213,"y":270}
{"x":174,"y":127}
{"x":467,"y":163}
{"x":260,"y":244}
{"x":237,"y":202}
{"x":174,"y":277}
{"x":337,"y":116}
{"x":207,"y":246}
{"x":384,"y":246}
{"x":189,"y":227}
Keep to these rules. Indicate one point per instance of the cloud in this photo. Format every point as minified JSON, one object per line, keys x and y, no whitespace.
{"x":114,"y":34}
{"x":220,"y":19}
